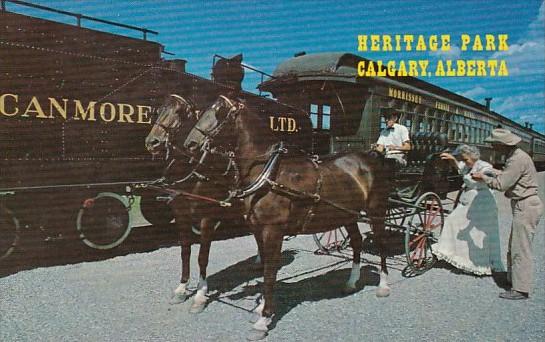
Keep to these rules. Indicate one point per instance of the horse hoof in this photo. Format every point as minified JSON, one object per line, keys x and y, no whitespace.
{"x":178,"y":298}
{"x":256,"y":335}
{"x":196,"y":308}
{"x":383,"y":292}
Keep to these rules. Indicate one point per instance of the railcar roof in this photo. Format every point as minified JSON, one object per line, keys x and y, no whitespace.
{"x":328,"y":63}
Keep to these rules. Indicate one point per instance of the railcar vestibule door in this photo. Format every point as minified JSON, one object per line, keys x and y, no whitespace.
{"x":320,"y":117}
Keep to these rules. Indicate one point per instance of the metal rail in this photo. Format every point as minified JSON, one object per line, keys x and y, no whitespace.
{"x":78,"y":16}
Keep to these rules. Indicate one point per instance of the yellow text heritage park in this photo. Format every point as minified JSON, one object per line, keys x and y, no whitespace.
{"x":472,"y":67}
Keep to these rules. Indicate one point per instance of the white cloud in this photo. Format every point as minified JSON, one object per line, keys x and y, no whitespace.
{"x":527,"y":56}
{"x":522,"y":108}
{"x":536,"y":27}
{"x":453,"y":53}
{"x":473,"y":93}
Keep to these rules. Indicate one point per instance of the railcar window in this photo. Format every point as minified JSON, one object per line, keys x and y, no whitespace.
{"x":451,"y":129}
{"x":326,"y":117}
{"x":314,"y":115}
{"x":460,"y":128}
{"x":320,"y":116}
{"x":408,"y":121}
{"x":438,"y":124}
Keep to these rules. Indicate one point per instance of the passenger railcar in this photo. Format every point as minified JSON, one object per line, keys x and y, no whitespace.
{"x":345,"y":109}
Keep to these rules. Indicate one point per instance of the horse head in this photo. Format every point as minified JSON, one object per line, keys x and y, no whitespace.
{"x":211,"y":123}
{"x":173,"y":115}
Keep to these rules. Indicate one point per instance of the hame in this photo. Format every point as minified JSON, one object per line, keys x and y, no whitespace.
{"x":11,"y":105}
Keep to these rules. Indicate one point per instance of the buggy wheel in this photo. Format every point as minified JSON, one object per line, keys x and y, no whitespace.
{"x":332,"y":240}
{"x":424,"y":228}
{"x":103,"y":221}
{"x":9,"y":232}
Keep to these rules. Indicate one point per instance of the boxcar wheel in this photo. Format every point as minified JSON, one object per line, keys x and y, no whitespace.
{"x":333,"y":240}
{"x":9,"y":232}
{"x":103,"y":221}
{"x":424,"y":228}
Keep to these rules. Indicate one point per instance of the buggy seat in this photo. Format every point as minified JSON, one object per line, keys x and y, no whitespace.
{"x":409,"y":179}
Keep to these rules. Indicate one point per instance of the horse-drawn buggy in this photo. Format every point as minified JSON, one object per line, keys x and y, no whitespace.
{"x":417,"y":206}
{"x":236,"y":170}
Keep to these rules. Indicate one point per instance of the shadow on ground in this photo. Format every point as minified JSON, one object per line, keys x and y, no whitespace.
{"x":34,"y":252}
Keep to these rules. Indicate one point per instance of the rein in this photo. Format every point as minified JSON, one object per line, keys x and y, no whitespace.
{"x":173,"y":193}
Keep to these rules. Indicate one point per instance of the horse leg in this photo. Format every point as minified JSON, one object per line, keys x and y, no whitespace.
{"x":258,"y":262}
{"x":199,"y":301}
{"x":272,"y":254}
{"x":377,"y":225}
{"x":180,"y":293}
{"x":356,"y":244}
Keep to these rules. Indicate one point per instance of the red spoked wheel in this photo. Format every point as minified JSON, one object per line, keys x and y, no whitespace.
{"x":333,"y":240}
{"x":424,"y":229}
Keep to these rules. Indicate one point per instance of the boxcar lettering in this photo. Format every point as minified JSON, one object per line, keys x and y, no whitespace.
{"x":282,"y":124}
{"x":34,"y":107}
{"x":272,"y":124}
{"x":282,"y":121}
{"x":126,"y":111}
{"x":292,"y":125}
{"x":62,"y":110}
{"x":3,"y":110}
{"x":107,"y":115}
{"x":143,"y":112}
{"x":12,"y":105}
{"x":84,"y":112}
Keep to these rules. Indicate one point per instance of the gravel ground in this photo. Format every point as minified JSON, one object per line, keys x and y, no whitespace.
{"x":126,"y":299}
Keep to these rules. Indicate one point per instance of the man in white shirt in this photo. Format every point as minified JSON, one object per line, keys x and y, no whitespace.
{"x":394,"y":140}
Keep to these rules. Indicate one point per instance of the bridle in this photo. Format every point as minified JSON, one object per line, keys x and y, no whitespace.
{"x":233,"y":109}
{"x":174,"y":130}
{"x":206,"y":149}
{"x":189,"y":107}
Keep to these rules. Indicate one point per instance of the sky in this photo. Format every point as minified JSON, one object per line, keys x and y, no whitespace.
{"x":269,"y":32}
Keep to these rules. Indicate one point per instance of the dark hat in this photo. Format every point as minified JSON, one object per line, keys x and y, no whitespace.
{"x":503,"y":136}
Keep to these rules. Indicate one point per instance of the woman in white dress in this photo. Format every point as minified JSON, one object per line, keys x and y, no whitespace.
{"x":470,"y":238}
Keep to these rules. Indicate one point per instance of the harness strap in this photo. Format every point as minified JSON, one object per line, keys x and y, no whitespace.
{"x":280,"y":188}
{"x":264,"y":176}
{"x":173,"y":193}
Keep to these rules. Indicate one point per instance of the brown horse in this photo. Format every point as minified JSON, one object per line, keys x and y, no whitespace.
{"x":295,"y":195}
{"x":175,"y":116}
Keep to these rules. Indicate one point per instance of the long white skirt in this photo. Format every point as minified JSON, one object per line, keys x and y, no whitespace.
{"x":470,"y":239}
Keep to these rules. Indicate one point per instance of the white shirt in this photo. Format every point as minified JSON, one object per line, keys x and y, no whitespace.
{"x":396,"y":135}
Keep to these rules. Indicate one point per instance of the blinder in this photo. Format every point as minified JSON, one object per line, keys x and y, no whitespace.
{"x":212,"y":122}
